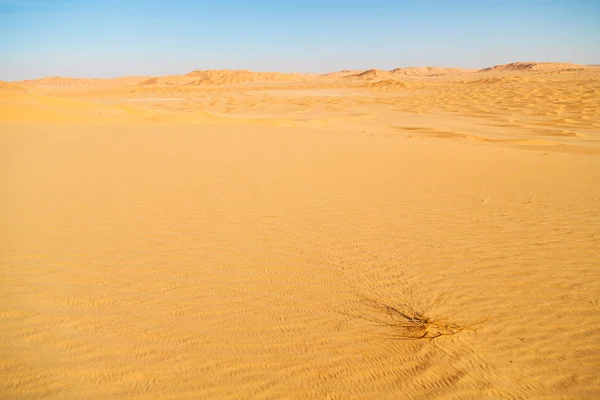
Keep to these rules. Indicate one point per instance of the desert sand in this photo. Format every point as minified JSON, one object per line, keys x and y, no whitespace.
{"x":416,"y":233}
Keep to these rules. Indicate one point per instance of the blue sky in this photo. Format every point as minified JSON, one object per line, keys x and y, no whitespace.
{"x":107,"y":38}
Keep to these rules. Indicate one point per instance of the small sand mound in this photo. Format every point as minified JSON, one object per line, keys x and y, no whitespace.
{"x":535,"y":66}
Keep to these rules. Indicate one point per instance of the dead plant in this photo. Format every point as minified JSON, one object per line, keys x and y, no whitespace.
{"x":408,"y":323}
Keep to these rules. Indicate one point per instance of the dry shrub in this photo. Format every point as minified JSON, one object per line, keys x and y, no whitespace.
{"x":406,"y":322}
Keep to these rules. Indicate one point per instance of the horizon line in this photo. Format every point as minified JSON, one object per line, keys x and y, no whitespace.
{"x":301,"y":73}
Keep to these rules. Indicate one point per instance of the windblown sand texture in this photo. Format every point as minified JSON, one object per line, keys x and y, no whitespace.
{"x":215,"y":235}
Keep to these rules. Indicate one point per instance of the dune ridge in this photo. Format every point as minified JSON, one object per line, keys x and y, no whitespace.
{"x":372,"y":74}
{"x":340,"y":74}
{"x":535,"y":66}
{"x":222,"y":77}
{"x":430,"y":71}
{"x":229,"y":77}
{"x":7,"y":87}
{"x":65,"y":82}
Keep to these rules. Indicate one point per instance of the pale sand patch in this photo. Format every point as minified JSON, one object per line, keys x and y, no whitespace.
{"x":220,"y":246}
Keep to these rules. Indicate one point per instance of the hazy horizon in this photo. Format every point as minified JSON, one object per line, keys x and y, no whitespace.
{"x":103,"y":39}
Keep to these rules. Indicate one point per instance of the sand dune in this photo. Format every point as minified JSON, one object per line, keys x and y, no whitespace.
{"x":340,"y":74}
{"x":535,"y":66}
{"x":167,"y":80}
{"x":7,"y":87}
{"x":228,"y":77}
{"x":61,"y":82}
{"x":372,"y":74}
{"x":417,"y":234}
{"x":430,"y":71}
{"x":214,"y":77}
{"x":396,"y":72}
{"x":231,"y":77}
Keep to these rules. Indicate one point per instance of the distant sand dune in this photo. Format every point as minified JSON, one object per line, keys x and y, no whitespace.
{"x":430,"y":71}
{"x":61,"y":82}
{"x":230,"y":77}
{"x":6,"y":87}
{"x":175,"y":80}
{"x":340,"y":74}
{"x":213,"y":77}
{"x":535,"y":66}
{"x":370,"y":75}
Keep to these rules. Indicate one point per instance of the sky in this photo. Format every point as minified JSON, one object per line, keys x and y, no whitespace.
{"x":110,"y":38}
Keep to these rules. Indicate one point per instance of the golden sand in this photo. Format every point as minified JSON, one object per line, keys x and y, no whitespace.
{"x":423,"y":233}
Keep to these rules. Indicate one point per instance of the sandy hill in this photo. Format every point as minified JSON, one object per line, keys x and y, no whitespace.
{"x":375,"y":74}
{"x":429,"y":71}
{"x":224,"y":77}
{"x":341,"y":74}
{"x":59,"y":81}
{"x":63,"y":82}
{"x":534,"y":66}
{"x":7,"y":87}
{"x":371,"y":75}
{"x":172,"y":80}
